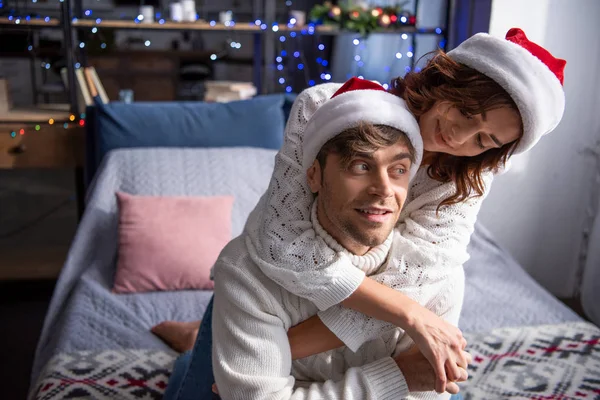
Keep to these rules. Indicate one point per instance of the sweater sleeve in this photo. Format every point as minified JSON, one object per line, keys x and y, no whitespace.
{"x":281,"y":239}
{"x":425,"y":263}
{"x":252,"y":358}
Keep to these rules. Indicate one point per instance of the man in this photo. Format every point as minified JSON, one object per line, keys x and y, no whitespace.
{"x":360,"y":177}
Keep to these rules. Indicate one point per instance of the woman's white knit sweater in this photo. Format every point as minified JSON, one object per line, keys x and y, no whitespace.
{"x":426,"y":258}
{"x":251,"y":352}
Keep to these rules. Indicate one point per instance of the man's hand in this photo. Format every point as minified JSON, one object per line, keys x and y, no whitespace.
{"x":441,"y":343}
{"x":419,"y":373}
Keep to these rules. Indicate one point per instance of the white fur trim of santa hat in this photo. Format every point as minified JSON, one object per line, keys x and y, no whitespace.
{"x":360,"y":101}
{"x":534,"y":85}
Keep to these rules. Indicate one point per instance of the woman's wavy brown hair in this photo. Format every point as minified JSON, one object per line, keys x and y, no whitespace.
{"x":443,"y":79}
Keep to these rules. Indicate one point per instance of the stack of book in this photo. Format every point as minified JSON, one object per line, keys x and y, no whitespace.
{"x":88,"y":86}
{"x":225,"y":91}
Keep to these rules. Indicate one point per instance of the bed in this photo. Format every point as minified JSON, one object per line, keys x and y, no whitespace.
{"x":97,"y":344}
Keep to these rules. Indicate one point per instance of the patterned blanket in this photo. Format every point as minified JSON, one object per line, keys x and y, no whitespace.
{"x":542,"y":363}
{"x":106,"y":374}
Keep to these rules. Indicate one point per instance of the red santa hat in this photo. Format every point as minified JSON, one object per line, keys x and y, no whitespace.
{"x":360,"y":100}
{"x":529,"y":73}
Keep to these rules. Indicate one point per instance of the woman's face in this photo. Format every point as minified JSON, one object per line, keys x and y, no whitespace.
{"x":445,"y":129}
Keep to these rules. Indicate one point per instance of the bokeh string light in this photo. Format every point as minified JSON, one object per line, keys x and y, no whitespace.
{"x":291,"y":56}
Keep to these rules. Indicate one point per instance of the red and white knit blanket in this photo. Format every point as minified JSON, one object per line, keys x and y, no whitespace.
{"x":541,"y":362}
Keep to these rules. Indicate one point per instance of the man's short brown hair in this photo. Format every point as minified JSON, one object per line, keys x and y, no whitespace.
{"x":364,"y":138}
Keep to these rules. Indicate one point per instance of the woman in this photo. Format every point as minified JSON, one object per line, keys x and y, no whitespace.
{"x":484,"y":101}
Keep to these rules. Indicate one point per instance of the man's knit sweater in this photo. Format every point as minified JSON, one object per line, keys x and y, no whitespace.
{"x":251,"y":352}
{"x":430,"y":245}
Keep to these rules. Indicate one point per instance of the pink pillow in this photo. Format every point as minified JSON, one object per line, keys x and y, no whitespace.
{"x":170,"y":243}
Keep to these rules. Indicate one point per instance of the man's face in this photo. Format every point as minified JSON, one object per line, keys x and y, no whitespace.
{"x":358,"y":204}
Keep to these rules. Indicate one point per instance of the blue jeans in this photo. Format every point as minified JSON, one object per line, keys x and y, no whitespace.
{"x":192,"y":376}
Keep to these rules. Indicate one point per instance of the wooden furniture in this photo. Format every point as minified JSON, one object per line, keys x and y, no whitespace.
{"x":192,"y":26}
{"x":23,"y":264}
{"x":152,"y":75}
{"x":50,"y":146}
{"x":49,"y":137}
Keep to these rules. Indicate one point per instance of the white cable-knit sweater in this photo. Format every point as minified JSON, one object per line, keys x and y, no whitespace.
{"x":426,"y":258}
{"x":251,"y":352}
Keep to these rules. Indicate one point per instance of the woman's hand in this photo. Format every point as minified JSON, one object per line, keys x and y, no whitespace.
{"x":435,"y":338}
{"x":441,"y":343}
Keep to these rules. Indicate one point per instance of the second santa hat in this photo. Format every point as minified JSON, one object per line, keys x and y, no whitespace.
{"x":359,"y":100}
{"x":530,"y":74}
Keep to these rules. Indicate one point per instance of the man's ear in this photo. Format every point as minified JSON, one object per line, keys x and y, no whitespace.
{"x":313,"y":175}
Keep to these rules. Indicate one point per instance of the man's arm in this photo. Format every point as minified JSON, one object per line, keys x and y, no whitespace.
{"x":252,"y":357}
